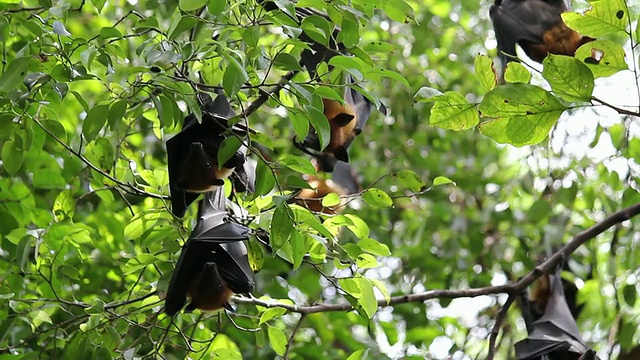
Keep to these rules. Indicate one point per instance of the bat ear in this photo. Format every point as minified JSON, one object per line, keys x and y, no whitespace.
{"x":341,"y":154}
{"x":343,"y":119}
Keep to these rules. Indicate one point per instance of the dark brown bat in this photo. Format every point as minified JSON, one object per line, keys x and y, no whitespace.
{"x":192,"y":155}
{"x":536,"y":26}
{"x":555,"y":335}
{"x":213,"y":264}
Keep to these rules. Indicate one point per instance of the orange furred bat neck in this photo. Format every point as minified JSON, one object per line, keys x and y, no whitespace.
{"x":342,"y":122}
{"x":541,"y":293}
{"x":559,"y":40}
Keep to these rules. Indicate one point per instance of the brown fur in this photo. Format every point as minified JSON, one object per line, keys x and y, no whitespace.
{"x":200,"y":173}
{"x":208,"y":291}
{"x":312,"y":199}
{"x":559,"y":40}
{"x":342,"y":121}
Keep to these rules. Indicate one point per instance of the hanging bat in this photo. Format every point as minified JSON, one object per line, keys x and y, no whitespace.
{"x":555,"y":335}
{"x":346,"y":121}
{"x":536,"y":26}
{"x":192,"y":155}
{"x":342,"y":182}
{"x":213,"y":264}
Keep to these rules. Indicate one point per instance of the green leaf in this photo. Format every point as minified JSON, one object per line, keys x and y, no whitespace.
{"x":410,"y":180}
{"x":13,"y":75}
{"x":95,"y":121}
{"x":359,"y":355}
{"x":286,"y":61}
{"x":299,"y":164}
{"x":379,"y":47}
{"x":229,"y":146}
{"x":604,"y":18}
{"x":64,"y":206}
{"x":374,"y":247}
{"x":110,"y":33}
{"x":317,"y":28}
{"x":281,"y":226}
{"x":377,"y":198}
{"x":298,"y":249}
{"x":517,"y":73}
{"x":180,"y":24}
{"x":33,"y":79}
{"x":630,"y":294}
{"x":190,"y":5}
{"x":453,"y":112}
{"x":12,"y":155}
{"x":366,"y":261}
{"x":603,"y":57}
{"x":427,"y":94}
{"x":441,"y":180}
{"x":270,"y":314}
{"x":485,"y":72}
{"x":349,"y":33}
{"x":398,"y":10}
{"x":568,"y":77}
{"x":357,"y":226}
{"x":320,"y":123}
{"x":519,"y":114}
{"x":234,"y":77}
{"x":368,"y":298}
{"x":216,"y":7}
{"x":264,"y":179}
{"x":327,"y":92}
{"x":300,"y":124}
{"x":379,"y":72}
{"x":331,"y":200}
{"x":116,"y":113}
{"x":277,"y":340}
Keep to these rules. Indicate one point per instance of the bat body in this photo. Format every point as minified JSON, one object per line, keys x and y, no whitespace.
{"x":535,"y":25}
{"x":554,"y":335}
{"x":192,"y":155}
{"x":213,"y":263}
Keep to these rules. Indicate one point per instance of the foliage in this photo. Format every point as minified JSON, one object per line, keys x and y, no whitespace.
{"x":90,"y":91}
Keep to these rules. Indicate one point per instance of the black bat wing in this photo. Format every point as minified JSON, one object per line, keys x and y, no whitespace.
{"x":360,"y":104}
{"x":517,"y":20}
{"x":192,"y":258}
{"x":177,"y":150}
{"x":556,"y":332}
{"x":344,"y":176}
{"x":234,"y":268}
{"x":213,"y":225}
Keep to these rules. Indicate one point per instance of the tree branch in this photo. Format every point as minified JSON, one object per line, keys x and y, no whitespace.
{"x":512,"y":288}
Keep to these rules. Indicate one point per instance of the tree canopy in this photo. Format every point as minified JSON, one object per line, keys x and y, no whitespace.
{"x":470,"y":189}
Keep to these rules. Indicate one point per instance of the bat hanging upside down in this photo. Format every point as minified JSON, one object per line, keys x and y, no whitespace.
{"x":535,"y":25}
{"x":213,"y":264}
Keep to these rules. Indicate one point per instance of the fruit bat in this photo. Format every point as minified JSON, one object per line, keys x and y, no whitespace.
{"x":346,"y":121}
{"x":555,"y":335}
{"x":213,"y":264}
{"x":536,"y":26}
{"x":192,"y":154}
{"x":342,"y":182}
